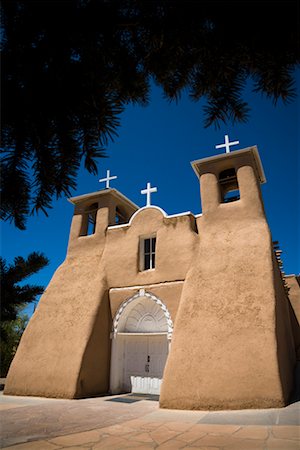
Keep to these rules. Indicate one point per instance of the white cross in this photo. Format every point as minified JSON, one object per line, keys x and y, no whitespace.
{"x":107,"y":179}
{"x":227,"y":144}
{"x":149,"y":191}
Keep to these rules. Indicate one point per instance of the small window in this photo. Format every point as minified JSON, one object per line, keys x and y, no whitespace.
{"x":147,"y":253}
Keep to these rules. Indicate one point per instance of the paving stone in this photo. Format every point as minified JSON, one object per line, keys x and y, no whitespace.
{"x":95,"y":423}
{"x":217,"y":429}
{"x":77,"y":438}
{"x":178,"y":426}
{"x":214,"y":440}
{"x":191,"y":435}
{"x":246,"y":444}
{"x":36,"y":445}
{"x":150,"y":426}
{"x":252,"y":432}
{"x":286,"y":432}
{"x":76,"y":447}
{"x":202,"y":448}
{"x":139,"y":445}
{"x":118,"y":430}
{"x":162,"y":434}
{"x":172,"y":444}
{"x":282,"y":444}
{"x":110,"y":442}
{"x":141,"y":437}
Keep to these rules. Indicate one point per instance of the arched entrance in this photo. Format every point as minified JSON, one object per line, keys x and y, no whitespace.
{"x":142,"y":329}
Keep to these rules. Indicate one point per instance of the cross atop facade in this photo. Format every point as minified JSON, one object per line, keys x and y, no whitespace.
{"x":227,"y":144}
{"x":149,"y":190}
{"x":107,"y":179}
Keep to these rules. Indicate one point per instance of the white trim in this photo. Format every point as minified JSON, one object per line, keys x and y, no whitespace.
{"x":142,"y":253}
{"x":135,"y":297}
{"x":122,"y":225}
{"x":146,"y":207}
{"x":119,"y":339}
{"x":143,"y":334}
{"x":216,"y":158}
{"x":186,"y":213}
{"x":142,"y":287}
{"x":93,"y":195}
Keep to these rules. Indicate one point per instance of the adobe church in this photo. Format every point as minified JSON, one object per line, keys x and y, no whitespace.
{"x":194,"y":308}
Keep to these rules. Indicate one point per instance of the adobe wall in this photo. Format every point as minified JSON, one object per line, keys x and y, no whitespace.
{"x":294,"y":297}
{"x":232,"y":345}
{"x":169,"y":293}
{"x":56,"y":355}
{"x":176,"y":239}
{"x":65,"y":349}
{"x":294,"y":294}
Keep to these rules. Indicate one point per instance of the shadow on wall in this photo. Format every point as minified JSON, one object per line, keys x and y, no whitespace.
{"x":286,"y":336}
{"x":295,"y":396}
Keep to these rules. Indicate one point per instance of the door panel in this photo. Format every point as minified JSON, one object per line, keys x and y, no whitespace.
{"x":144,"y":361}
{"x":158,"y":352}
{"x":136,"y":348}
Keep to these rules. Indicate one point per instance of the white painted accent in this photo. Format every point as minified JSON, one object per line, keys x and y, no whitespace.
{"x":142,"y":328}
{"x":153,"y":207}
{"x":98,"y":194}
{"x":107,"y":179}
{"x":227,"y":144}
{"x":148,"y":191}
{"x":118,"y":324}
{"x":142,"y":252}
{"x":197,"y":164}
{"x":166,"y":283}
{"x":140,"y":375}
{"x":186,"y":213}
{"x":146,"y":385}
{"x":142,"y":334}
{"x":146,"y":207}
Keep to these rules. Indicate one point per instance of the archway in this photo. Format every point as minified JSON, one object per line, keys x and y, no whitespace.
{"x":142,"y":329}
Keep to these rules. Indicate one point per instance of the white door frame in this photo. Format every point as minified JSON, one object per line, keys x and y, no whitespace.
{"x":118,"y":337}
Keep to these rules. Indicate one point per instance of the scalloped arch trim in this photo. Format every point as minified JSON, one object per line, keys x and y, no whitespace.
{"x":140,"y":294}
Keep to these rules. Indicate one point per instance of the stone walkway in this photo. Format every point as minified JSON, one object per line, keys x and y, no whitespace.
{"x":125,"y":422}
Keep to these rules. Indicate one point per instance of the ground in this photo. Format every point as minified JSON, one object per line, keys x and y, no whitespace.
{"x":132,"y":421}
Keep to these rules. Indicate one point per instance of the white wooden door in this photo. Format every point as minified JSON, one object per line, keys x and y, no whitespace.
{"x":144,"y":361}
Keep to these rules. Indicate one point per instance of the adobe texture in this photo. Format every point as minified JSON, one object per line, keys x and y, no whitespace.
{"x":232,"y":345}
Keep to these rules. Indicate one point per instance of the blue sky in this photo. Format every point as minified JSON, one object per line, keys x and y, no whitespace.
{"x":157,"y":143}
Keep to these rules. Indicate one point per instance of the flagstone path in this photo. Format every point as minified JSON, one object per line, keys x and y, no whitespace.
{"x":125,"y":422}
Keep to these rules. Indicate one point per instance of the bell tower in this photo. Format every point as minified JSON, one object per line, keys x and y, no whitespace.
{"x":232,"y":344}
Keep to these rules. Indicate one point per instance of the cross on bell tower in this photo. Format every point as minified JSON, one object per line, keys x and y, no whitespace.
{"x":227,"y":144}
{"x":107,"y":179}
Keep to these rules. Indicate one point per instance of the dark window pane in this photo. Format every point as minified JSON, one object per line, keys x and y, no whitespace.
{"x":153,"y":260}
{"x":153,"y":244}
{"x":147,"y":262}
{"x":147,"y":245}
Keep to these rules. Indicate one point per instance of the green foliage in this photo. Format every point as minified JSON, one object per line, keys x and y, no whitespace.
{"x":14,"y":295}
{"x":14,"y":298}
{"x":12,"y":330}
{"x":71,"y":67}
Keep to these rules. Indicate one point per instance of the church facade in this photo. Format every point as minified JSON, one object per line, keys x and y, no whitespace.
{"x":193,"y":308}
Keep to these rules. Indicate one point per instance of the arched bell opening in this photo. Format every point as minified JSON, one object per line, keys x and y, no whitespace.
{"x":89,"y":216}
{"x":141,"y":334}
{"x":229,"y":186}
